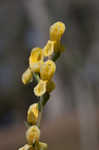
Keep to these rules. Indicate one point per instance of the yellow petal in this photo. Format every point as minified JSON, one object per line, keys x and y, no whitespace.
{"x":40,"y":89}
{"x":27,"y":76}
{"x":47,"y":70}
{"x":36,"y":54}
{"x":35,"y":66}
{"x":49,"y":48}
{"x":33,"y":134}
{"x":56,"y":31}
{"x":36,"y":59}
{"x":32,"y":114}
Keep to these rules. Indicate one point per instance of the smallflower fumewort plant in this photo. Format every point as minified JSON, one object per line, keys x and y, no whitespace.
{"x":41,"y":69}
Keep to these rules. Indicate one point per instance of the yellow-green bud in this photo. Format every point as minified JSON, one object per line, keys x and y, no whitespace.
{"x":56,"y":31}
{"x":49,"y":48}
{"x":36,"y":59}
{"x":27,"y":76}
{"x":32,"y":114}
{"x":40,"y":88}
{"x":47,"y":70}
{"x":33,"y":134}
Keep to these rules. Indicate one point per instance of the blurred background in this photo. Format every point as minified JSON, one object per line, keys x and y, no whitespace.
{"x":70,"y":120}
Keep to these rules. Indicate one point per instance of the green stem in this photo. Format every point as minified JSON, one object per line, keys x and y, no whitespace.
{"x":40,"y":107}
{"x":36,"y":77}
{"x":56,"y":56}
{"x":46,"y":98}
{"x":43,"y":100}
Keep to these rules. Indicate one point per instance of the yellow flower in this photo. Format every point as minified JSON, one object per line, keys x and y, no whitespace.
{"x":26,"y":147}
{"x":33,"y":134}
{"x":42,"y":146}
{"x":40,"y":89}
{"x":50,"y":86}
{"x":56,"y":31}
{"x":47,"y":70}
{"x":27,"y":76}
{"x":36,"y":59}
{"x":49,"y":48}
{"x":32,"y":114}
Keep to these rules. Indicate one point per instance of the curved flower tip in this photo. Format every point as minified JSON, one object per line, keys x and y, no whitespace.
{"x":47,"y":70}
{"x":27,"y":76}
{"x":49,"y":48}
{"x":42,"y":146}
{"x":56,"y":31}
{"x":33,"y":134}
{"x":36,"y":59}
{"x":40,"y":89}
{"x":32,"y":114}
{"x":26,"y":147}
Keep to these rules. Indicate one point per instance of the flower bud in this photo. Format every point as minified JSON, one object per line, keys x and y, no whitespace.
{"x":33,"y":134}
{"x":36,"y":59}
{"x":47,"y":70}
{"x":56,"y":31}
{"x":32,"y":114}
{"x":40,"y":89}
{"x":27,"y":76}
{"x":49,"y":48}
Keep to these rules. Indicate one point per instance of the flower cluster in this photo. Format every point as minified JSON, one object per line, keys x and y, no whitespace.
{"x":42,"y":68}
{"x":41,"y":63}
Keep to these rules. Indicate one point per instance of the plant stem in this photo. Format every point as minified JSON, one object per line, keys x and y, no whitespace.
{"x":43,"y":99}
{"x":40,"y":107}
{"x":36,"y":77}
{"x":56,"y":56}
